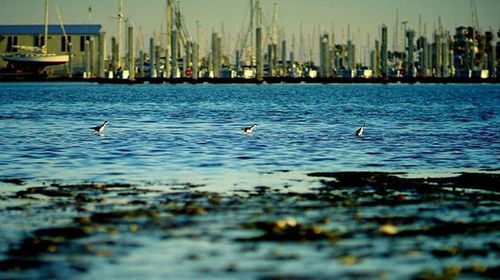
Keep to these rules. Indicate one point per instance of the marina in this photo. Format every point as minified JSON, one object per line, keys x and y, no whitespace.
{"x":262,"y":51}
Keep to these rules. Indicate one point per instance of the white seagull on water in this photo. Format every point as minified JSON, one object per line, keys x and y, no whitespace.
{"x":100,"y":128}
{"x":360,"y":131}
{"x":248,"y":130}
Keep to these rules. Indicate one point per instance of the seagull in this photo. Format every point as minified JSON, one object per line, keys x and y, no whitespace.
{"x":100,"y":128}
{"x":359,"y":131}
{"x":248,"y":130}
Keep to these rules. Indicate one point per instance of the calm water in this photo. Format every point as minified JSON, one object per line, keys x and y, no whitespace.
{"x":171,"y":133}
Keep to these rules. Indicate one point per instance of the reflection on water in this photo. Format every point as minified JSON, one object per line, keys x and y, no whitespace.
{"x":165,"y":133}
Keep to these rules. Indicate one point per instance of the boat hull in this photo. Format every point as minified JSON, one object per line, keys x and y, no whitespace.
{"x":35,"y":63}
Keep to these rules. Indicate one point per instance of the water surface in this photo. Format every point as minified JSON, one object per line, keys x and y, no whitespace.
{"x":164,"y":136}
{"x":170,"y":133}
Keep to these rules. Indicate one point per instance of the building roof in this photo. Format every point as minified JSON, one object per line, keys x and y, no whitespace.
{"x":35,"y":29}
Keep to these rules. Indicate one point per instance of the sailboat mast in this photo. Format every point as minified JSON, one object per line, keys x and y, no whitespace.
{"x":46,"y":32}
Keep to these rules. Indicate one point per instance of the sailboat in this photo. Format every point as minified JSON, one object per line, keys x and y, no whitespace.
{"x":39,"y":58}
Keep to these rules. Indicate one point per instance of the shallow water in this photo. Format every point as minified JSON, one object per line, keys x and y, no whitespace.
{"x":347,"y":229}
{"x":170,"y":133}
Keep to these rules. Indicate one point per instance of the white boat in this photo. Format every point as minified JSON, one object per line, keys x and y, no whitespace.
{"x":35,"y":62}
{"x":39,"y":58}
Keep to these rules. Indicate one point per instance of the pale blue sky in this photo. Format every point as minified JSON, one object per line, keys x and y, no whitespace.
{"x":364,"y":16}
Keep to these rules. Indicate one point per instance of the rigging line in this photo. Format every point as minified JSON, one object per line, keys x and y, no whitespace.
{"x":61,"y":22}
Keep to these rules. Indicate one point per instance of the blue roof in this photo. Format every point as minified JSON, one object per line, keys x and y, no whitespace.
{"x":34,"y":29}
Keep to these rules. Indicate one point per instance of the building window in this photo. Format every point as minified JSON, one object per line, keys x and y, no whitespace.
{"x":39,"y":41}
{"x":64,"y":44}
{"x":82,"y":42}
{"x":11,"y":43}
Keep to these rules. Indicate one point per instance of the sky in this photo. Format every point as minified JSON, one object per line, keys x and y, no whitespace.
{"x":363,"y":16}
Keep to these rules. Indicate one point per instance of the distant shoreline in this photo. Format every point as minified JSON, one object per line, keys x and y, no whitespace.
{"x":268,"y":80}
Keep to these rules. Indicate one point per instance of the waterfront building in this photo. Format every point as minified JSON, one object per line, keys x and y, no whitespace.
{"x":23,"y":39}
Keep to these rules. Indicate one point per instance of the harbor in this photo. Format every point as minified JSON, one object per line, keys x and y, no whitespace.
{"x":274,"y":140}
{"x":260,"y":53}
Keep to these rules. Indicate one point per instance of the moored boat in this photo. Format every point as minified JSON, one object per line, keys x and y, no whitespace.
{"x":39,"y":58}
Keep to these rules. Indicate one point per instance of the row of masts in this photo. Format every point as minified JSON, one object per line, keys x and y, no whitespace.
{"x":181,"y":56}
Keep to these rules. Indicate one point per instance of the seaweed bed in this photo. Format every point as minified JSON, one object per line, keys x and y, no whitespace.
{"x":356,"y":225}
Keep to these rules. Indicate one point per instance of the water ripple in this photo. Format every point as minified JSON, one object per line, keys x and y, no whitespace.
{"x":157,"y":131}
